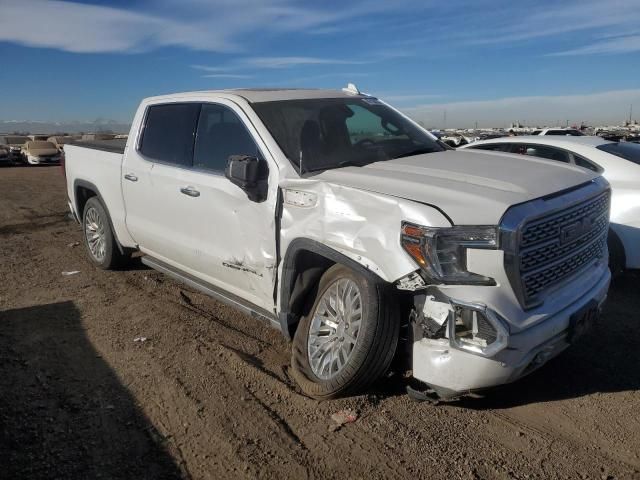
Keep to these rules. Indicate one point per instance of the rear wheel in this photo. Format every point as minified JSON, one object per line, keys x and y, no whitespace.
{"x":348,"y":338}
{"x":99,"y":239}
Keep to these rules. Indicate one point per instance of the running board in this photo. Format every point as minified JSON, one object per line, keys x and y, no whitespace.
{"x":221,"y":295}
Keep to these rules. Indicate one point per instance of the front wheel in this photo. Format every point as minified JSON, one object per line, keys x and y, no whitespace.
{"x":99,"y":240}
{"x":348,"y":337}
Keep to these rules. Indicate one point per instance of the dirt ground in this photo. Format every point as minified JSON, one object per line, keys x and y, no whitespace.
{"x":207,"y":395}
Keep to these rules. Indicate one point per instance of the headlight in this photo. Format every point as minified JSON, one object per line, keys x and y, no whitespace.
{"x":442,"y":252}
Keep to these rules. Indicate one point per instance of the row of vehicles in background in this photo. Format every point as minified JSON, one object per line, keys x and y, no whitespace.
{"x":458,"y":138}
{"x":41,"y":149}
{"x":618,"y":162}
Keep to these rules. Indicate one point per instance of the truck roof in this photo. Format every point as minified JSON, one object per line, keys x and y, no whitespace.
{"x":258,"y":95}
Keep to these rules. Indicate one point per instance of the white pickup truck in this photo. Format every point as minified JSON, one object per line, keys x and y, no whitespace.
{"x":354,"y":231}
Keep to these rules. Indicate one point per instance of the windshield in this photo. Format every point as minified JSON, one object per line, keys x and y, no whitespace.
{"x":332,"y":133}
{"x":627,"y":150}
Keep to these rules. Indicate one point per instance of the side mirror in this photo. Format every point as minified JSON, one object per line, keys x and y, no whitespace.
{"x":250,"y":174}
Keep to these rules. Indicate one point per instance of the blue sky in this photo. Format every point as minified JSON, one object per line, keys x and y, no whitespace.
{"x":487,"y":61}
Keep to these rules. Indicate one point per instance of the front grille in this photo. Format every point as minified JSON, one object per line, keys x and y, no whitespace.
{"x":546,"y":250}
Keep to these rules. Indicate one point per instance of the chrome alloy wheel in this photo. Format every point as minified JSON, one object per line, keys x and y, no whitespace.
{"x":334,"y":328}
{"x":94,"y":231}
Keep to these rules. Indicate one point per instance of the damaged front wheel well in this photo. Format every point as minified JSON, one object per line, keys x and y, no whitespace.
{"x":304,"y":263}
{"x":308,"y":267}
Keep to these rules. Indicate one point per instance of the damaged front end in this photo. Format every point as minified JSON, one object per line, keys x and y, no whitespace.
{"x":453,"y":342}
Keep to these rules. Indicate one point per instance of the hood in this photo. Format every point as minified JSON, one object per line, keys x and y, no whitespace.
{"x":41,"y":148}
{"x":470,"y":187}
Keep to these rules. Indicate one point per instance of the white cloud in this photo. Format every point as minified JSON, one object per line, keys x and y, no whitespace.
{"x":226,"y":75}
{"x":83,"y":28}
{"x":286,"y":62}
{"x":602,"y":107}
{"x":213,"y":25}
{"x":513,"y":22}
{"x":626,"y":44}
{"x":407,"y":98}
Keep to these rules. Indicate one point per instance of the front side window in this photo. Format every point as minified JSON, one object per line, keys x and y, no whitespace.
{"x":220,"y":134}
{"x":321,"y":134}
{"x":627,"y":150}
{"x":169,"y":133}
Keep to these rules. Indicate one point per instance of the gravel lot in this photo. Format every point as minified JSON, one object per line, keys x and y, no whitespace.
{"x":207,"y":395}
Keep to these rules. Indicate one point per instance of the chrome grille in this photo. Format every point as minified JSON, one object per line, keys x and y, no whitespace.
{"x":542,"y":251}
{"x":548,"y":228}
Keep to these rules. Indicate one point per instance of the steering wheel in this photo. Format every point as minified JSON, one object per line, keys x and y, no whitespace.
{"x":364,"y":142}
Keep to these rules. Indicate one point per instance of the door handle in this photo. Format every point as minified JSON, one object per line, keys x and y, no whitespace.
{"x":192,"y":192}
{"x":131,"y":177}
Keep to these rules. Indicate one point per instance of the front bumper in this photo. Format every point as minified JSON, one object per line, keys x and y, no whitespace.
{"x":43,"y":160}
{"x":451,"y":371}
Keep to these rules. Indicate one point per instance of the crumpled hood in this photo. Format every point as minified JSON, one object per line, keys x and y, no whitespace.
{"x":471,"y":188}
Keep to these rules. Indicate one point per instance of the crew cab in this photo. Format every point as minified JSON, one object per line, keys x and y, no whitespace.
{"x":355,"y":232}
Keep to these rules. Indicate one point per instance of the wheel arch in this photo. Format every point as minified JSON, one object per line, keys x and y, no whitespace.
{"x":304,"y":263}
{"x":83,"y":190}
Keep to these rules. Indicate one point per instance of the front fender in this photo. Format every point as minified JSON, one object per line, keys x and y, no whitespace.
{"x":361,"y":225}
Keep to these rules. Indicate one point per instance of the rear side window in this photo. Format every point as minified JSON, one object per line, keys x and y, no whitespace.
{"x":169,"y":133}
{"x":496,"y":147}
{"x":542,"y":151}
{"x":584,"y":163}
{"x":627,"y":150}
{"x":220,"y":134}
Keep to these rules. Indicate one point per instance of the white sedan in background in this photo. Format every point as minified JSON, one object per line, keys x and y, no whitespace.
{"x":620,"y":164}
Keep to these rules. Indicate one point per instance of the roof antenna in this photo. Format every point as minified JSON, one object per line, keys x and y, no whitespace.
{"x":351,"y":88}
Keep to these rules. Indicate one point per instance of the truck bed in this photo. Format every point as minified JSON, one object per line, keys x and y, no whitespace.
{"x":97,"y":165}
{"x":114,"y":146}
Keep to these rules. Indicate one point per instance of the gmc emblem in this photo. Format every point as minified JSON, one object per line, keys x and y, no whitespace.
{"x":572,"y":232}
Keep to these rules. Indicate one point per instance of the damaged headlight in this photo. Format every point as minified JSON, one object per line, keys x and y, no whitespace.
{"x":442,"y":252}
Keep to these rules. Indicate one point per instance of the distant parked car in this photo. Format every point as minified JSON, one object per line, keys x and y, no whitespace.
{"x":41,"y":153}
{"x":97,"y":136}
{"x":619,"y":164}
{"x":570,"y":132}
{"x":14,"y":144}
{"x":4,"y":156}
{"x":60,"y":140}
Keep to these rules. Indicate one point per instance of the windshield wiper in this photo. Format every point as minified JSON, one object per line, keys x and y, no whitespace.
{"x":353,"y":163}
{"x":417,"y":151}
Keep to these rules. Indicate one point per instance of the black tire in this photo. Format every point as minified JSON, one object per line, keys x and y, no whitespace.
{"x":617,"y":257}
{"x":113,"y":258}
{"x":375,"y":344}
